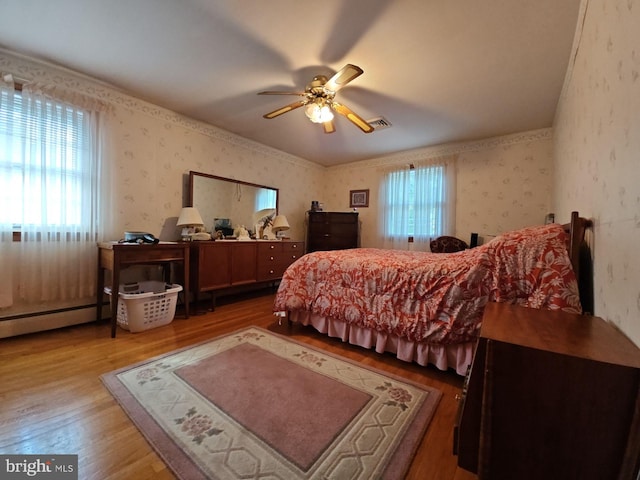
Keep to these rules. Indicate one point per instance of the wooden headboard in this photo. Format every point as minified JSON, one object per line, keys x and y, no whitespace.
{"x":576,"y":230}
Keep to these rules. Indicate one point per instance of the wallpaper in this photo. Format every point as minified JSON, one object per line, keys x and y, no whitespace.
{"x":153,"y":158}
{"x":503,"y":184}
{"x":504,"y":188}
{"x":597,"y":148}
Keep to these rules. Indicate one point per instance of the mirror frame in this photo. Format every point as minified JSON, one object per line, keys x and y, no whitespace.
{"x":194,"y":174}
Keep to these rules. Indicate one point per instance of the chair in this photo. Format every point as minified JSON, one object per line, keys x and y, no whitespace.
{"x":447,"y":244}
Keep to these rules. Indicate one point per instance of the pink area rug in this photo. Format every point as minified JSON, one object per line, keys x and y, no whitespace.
{"x":254,"y":404}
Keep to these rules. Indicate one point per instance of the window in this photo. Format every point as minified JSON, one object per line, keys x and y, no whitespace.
{"x":50,"y":199}
{"x":416,"y":204}
{"x":44,"y":162}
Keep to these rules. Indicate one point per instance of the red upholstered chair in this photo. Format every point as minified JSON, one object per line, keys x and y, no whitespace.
{"x":447,"y":244}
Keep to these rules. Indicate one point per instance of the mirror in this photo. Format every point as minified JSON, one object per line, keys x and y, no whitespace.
{"x":226,"y":204}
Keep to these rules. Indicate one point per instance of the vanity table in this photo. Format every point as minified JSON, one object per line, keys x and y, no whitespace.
{"x":114,"y":256}
{"x":228,"y":265}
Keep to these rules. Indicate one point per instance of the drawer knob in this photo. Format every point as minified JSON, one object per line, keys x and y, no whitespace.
{"x":272,"y":247}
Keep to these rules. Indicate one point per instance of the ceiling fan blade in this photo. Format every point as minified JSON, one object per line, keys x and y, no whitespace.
{"x":344,"y":76}
{"x":329,"y":127}
{"x":357,"y":120}
{"x":286,"y":108}
{"x":271,"y":92}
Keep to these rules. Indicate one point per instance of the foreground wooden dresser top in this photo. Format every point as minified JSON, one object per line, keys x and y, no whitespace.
{"x":581,"y":336}
{"x":550,"y":395}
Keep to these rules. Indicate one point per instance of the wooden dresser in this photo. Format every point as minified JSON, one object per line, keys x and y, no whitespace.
{"x":332,"y":230}
{"x":550,"y":395}
{"x":218,"y":266}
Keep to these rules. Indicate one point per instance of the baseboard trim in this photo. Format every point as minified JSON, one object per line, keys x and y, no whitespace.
{"x":43,"y":321}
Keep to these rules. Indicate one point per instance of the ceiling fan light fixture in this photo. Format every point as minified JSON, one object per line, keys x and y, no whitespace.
{"x":319,"y":102}
{"x":319,"y":112}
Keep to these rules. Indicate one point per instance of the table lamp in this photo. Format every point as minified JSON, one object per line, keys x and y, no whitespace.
{"x":280,"y":224}
{"x":189,"y":219}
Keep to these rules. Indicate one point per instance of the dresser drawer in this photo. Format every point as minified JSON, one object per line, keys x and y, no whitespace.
{"x":293,"y":247}
{"x":275,"y":257}
{"x":271,"y":270}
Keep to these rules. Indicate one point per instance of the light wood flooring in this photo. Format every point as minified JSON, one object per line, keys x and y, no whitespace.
{"x":53,"y":401}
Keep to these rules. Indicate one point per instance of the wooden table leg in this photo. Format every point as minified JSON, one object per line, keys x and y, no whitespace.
{"x":115,"y":289}
{"x":185,"y":286}
{"x":100,"y":292}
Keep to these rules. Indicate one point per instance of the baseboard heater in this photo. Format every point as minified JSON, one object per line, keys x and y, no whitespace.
{"x":21,"y":324}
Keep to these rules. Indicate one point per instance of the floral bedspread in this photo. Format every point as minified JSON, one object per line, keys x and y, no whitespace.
{"x":433,"y":297}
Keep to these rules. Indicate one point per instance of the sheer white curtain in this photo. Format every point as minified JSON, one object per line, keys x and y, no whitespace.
{"x":417,"y":203}
{"x":51,"y":173}
{"x":265,"y":198}
{"x":6,"y":224}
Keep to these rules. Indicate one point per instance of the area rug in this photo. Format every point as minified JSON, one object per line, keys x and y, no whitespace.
{"x":254,"y":404}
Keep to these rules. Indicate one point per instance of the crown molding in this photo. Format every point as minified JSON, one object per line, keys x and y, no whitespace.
{"x":29,"y":69}
{"x":436,"y":151}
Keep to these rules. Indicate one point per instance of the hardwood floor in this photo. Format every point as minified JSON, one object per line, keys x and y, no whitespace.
{"x":53,"y":400}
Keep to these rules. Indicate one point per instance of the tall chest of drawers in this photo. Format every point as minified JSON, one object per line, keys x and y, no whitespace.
{"x":332,"y":230}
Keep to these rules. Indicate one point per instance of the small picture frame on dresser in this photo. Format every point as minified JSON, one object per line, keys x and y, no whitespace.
{"x":359,"y":198}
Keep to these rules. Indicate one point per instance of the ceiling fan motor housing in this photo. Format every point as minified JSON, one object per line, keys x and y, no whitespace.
{"x":316,"y":87}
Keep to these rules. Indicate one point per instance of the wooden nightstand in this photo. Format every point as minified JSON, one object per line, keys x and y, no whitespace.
{"x":550,"y":395}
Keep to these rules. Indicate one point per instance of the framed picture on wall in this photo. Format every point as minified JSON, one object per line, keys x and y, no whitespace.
{"x":359,"y":198}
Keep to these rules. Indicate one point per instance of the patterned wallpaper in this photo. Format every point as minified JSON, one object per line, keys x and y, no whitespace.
{"x":154,"y":156}
{"x":597,"y":148}
{"x":504,"y":188}
{"x":503,"y":184}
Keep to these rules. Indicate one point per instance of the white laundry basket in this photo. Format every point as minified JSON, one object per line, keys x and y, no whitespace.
{"x":145,"y":305}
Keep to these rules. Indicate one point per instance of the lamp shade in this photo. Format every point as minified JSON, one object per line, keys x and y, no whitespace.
{"x":189,"y":216}
{"x":280,"y":223}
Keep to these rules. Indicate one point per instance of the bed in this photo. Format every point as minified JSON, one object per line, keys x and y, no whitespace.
{"x":427,"y":307}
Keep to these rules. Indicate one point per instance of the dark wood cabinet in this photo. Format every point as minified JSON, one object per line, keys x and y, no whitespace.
{"x":218,"y":266}
{"x":332,"y":230}
{"x":550,"y":395}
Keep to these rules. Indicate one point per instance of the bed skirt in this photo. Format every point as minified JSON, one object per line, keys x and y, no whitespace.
{"x":444,"y":357}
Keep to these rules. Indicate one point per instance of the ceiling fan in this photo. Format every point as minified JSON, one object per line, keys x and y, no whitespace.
{"x":319,"y":100}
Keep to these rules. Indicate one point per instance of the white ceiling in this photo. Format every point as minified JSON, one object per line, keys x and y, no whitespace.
{"x":439,"y":70}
